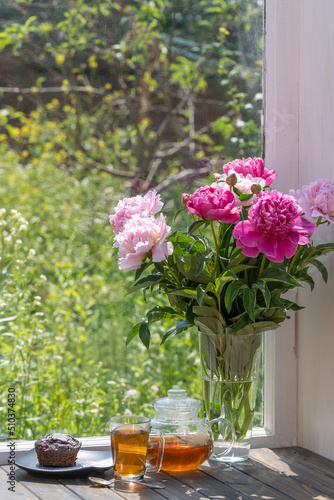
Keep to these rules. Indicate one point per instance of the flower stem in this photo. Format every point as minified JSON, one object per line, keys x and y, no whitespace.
{"x":294,"y":259}
{"x":217,"y":245}
{"x":201,"y":234}
{"x":263,"y":262}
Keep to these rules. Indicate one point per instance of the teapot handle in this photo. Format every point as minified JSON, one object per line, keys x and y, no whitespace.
{"x":234,"y":437}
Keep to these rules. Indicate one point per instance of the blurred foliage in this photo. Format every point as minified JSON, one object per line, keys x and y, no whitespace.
{"x":136,"y":89}
{"x":95,"y":96}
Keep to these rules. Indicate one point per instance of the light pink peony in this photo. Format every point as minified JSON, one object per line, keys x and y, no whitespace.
{"x":146,"y":206}
{"x":250,"y":166}
{"x":316,"y":200}
{"x":214,"y":203}
{"x":244,"y":184}
{"x":274,"y":227}
{"x":140,"y":235}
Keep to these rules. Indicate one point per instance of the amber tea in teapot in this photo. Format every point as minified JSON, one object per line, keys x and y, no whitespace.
{"x":179,"y":454}
{"x":188,"y":438}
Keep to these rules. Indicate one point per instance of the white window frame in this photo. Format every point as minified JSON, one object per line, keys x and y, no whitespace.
{"x":281,"y":132}
{"x":281,"y":35}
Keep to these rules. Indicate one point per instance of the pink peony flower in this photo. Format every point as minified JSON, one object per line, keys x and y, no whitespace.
{"x":214,"y":203}
{"x":274,"y":227}
{"x":316,"y":200}
{"x":146,"y":206}
{"x":252,"y":166}
{"x":139,"y":236}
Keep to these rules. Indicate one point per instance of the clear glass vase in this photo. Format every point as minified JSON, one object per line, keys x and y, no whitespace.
{"x":230,"y":370}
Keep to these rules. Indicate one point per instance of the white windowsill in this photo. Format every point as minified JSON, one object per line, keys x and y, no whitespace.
{"x":262,"y":438}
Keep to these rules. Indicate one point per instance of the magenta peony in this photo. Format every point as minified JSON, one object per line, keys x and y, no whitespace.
{"x":214,"y":203}
{"x":274,"y":227}
{"x":316,"y":200}
{"x":145,"y":206}
{"x":139,"y":236}
{"x":250,"y":166}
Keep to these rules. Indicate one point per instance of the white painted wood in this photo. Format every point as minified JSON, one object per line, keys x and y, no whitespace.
{"x":299,"y":125}
{"x":281,"y":118}
{"x":316,"y":155}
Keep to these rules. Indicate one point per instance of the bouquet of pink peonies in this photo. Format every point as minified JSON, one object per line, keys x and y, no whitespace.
{"x":246,"y":245}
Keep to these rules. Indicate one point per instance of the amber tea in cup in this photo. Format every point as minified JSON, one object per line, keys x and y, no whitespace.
{"x":129,"y":436}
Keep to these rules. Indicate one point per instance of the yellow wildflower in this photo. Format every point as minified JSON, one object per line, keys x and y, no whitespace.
{"x":25,"y":153}
{"x":60,"y":59}
{"x":92,"y":62}
{"x":61,"y":155}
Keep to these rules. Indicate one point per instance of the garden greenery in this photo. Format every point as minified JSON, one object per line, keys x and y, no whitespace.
{"x":100,"y":99}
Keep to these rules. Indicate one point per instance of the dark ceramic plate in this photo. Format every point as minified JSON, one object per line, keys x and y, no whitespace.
{"x":87,"y":461}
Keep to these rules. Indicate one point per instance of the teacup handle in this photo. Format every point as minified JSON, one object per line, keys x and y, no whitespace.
{"x":234,"y":437}
{"x":157,"y":468}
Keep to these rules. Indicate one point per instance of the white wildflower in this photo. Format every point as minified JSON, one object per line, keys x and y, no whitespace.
{"x":131,"y":392}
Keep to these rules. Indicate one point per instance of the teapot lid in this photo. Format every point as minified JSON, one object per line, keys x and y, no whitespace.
{"x":177,"y":400}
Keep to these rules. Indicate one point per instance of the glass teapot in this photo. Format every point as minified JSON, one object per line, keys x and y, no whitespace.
{"x":188,"y":438}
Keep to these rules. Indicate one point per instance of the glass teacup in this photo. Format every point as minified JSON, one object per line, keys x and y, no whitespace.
{"x":129,"y":437}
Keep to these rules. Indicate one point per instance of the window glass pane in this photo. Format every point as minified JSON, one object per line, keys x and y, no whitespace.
{"x":100,"y":99}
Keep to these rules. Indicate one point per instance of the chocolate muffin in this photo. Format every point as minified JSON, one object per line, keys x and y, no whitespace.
{"x":57,"y":450}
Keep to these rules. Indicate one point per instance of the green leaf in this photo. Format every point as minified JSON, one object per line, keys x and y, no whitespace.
{"x":132,"y":333}
{"x":304,"y":276}
{"x":141,"y":269}
{"x":195,"y":225}
{"x":319,"y":265}
{"x":323,"y":249}
{"x":201,"y":265}
{"x":145,"y":334}
{"x":209,"y":311}
{"x":200,"y":293}
{"x":262,"y":286}
{"x":249,"y":300}
{"x":209,"y":324}
{"x":184,"y":292}
{"x":175,"y":330}
{"x":178,"y":213}
{"x":291,"y":305}
{"x":277,"y":274}
{"x":153,"y":279}
{"x":232,"y":291}
{"x":158,"y":313}
{"x":238,"y":268}
{"x":188,"y":265}
{"x":246,"y":197}
{"x":237,"y":191}
{"x":277,"y":302}
{"x":240,"y":324}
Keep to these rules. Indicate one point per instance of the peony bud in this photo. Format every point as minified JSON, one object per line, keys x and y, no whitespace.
{"x":231,"y":180}
{"x":185,"y":197}
{"x":256,"y":188}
